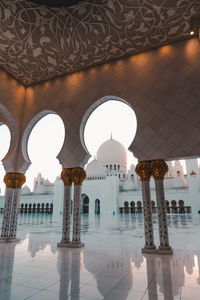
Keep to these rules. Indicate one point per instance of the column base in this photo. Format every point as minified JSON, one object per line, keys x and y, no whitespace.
{"x":160,"y":250}
{"x":151,"y":250}
{"x":63,"y":244}
{"x":76,"y":245}
{"x":9,"y":240}
{"x":165,"y":250}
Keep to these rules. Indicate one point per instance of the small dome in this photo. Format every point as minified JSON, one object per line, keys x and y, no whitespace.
{"x":112,"y":152}
{"x":47,"y":182}
{"x":94,"y":169}
{"x":132,"y":167}
{"x":128,"y":185}
{"x":179,"y":182}
{"x":25,"y":190}
{"x":169,"y":163}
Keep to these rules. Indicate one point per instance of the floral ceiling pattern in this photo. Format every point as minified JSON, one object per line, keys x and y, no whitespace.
{"x":38,"y":43}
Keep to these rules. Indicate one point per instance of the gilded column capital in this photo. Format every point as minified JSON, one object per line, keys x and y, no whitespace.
{"x":143,"y":170}
{"x":78,"y":175}
{"x":66,"y":177}
{"x":14,"y":180}
{"x":159,"y":169}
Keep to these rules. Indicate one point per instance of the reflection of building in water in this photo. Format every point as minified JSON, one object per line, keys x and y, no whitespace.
{"x":112,"y":267}
{"x":109,"y":186}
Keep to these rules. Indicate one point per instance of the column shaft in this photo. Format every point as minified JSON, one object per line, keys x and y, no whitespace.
{"x":148,"y":225}
{"x":10,"y":217}
{"x":14,"y":182}
{"x":144,"y":172}
{"x":162,"y":217}
{"x":77,"y":215}
{"x":66,"y":214}
{"x":6,"y":213}
{"x":14,"y":213}
{"x":67,"y":179}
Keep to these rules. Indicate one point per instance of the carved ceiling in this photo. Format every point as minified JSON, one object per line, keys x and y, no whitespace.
{"x":39,"y":42}
{"x":56,"y":2}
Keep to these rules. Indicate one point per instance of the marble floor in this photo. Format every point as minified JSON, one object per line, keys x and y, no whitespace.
{"x":110,"y":266}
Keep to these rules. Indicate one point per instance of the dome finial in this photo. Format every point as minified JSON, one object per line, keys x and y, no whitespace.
{"x":111,"y":135}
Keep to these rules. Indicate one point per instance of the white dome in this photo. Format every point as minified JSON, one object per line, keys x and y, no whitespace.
{"x":112,"y":152}
{"x":25,"y":190}
{"x":94,"y":169}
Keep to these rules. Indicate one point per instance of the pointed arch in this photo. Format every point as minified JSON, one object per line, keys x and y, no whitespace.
{"x":28,"y":130}
{"x":92,"y":108}
{"x":10,"y":122}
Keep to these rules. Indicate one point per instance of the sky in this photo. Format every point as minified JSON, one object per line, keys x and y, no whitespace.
{"x":44,"y":144}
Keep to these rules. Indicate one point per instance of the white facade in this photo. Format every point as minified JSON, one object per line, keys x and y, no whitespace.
{"x":110,"y":184}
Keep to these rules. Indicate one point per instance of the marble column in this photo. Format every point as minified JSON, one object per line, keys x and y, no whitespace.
{"x":159,"y":169}
{"x":14,"y":182}
{"x":67,"y":179}
{"x":143,"y":170}
{"x":78,"y":176}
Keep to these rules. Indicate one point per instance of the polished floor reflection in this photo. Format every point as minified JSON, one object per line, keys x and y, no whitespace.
{"x":110,"y":266}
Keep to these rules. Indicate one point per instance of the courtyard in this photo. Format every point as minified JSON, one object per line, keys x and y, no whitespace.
{"x":110,"y":266}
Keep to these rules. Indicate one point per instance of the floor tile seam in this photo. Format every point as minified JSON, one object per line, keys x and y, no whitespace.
{"x":40,"y":289}
{"x":114,"y":287}
{"x":35,"y":277}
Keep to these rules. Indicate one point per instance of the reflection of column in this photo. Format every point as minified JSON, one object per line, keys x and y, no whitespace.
{"x":151,"y":277}
{"x":144,"y":171}
{"x":67,"y":179}
{"x":78,"y":176}
{"x":65,"y":270}
{"x":167,"y":288}
{"x":6,"y":262}
{"x":75,"y":283}
{"x":14,"y":182}
{"x":69,"y":264}
{"x":159,"y":169}
{"x":198,"y":279}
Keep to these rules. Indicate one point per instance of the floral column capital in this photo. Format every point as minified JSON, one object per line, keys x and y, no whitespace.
{"x":14,"y":180}
{"x":159,"y":169}
{"x":143,"y":170}
{"x":66,"y":176}
{"x":78,"y":175}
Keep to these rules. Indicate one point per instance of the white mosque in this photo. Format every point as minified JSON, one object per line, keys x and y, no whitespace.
{"x":111,"y":188}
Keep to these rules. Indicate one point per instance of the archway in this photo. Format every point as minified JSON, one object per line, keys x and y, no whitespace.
{"x":132,"y":207}
{"x":167,"y":206}
{"x":181,"y":207}
{"x":5,"y":137}
{"x":41,"y":145}
{"x":126,"y":207}
{"x":174,"y":206}
{"x":118,"y":117}
{"x":139,"y":207}
{"x":85,"y":204}
{"x":97,"y":206}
